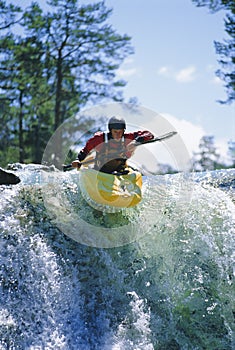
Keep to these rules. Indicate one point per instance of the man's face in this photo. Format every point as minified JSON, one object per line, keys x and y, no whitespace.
{"x":117,"y":134}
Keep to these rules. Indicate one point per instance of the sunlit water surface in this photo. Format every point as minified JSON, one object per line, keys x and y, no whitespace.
{"x":165,"y":281}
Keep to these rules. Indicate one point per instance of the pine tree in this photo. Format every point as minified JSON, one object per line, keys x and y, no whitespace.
{"x":225,"y":49}
{"x":207,"y":157}
{"x":9,"y":15}
{"x":63,"y":60}
{"x":231,"y":152}
{"x":83,"y":53}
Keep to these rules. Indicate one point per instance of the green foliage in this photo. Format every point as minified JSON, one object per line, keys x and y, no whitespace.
{"x":207,"y":158}
{"x":61,"y":61}
{"x":216,"y":5}
{"x":8,"y":15}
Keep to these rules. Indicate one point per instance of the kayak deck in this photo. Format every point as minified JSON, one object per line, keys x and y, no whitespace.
{"x":107,"y":191}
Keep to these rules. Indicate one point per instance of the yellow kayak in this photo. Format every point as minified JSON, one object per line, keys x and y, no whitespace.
{"x":103,"y":190}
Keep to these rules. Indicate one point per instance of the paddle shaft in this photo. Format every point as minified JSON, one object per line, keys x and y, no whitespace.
{"x":85,"y":162}
{"x":159,"y":138}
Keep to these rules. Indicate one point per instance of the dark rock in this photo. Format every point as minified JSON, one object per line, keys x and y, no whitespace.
{"x":7,"y":178}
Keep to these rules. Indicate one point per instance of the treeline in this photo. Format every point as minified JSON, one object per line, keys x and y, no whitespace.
{"x":52,"y":64}
{"x":207,"y":158}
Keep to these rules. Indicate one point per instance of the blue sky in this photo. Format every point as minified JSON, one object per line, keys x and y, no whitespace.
{"x":172,"y":71}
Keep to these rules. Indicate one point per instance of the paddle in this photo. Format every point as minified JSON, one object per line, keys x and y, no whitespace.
{"x":155,"y":139}
{"x":159,"y":138}
{"x":89,"y":160}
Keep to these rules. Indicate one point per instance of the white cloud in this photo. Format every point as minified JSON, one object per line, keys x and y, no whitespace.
{"x":189,"y":132}
{"x":178,"y":150}
{"x":125,"y":73}
{"x":128,"y":60}
{"x":217,"y":81}
{"x":191,"y":135}
{"x":165,"y":71}
{"x":186,"y":75}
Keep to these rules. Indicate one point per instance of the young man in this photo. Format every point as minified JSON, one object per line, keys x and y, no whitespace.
{"x":112,"y":148}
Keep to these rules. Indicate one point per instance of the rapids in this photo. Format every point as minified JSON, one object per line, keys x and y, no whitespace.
{"x":157,"y":277}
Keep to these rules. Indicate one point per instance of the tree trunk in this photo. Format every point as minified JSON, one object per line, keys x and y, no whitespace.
{"x":58,"y":91}
{"x":21,"y":138}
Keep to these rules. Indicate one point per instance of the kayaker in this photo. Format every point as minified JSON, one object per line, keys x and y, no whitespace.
{"x":112,"y":148}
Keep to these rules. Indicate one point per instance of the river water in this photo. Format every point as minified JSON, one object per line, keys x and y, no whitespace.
{"x":70,"y":279}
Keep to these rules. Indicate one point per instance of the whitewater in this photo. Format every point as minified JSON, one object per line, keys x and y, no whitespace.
{"x":155,"y":277}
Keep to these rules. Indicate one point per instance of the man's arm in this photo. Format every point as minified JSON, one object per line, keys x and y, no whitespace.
{"x":135,"y":139}
{"x":90,"y":145}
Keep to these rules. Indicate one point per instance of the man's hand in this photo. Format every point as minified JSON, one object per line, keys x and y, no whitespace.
{"x":131,"y":147}
{"x":76,"y":164}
